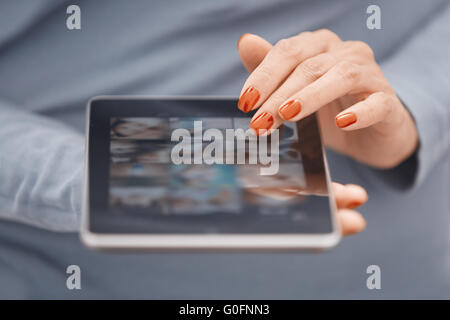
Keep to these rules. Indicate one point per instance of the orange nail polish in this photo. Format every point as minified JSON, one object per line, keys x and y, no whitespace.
{"x":346,"y":119}
{"x":262,"y":122}
{"x":354,"y":204}
{"x":290,"y":109}
{"x":248,"y":99}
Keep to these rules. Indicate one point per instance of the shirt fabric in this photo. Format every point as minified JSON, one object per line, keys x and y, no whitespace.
{"x":47,"y":74}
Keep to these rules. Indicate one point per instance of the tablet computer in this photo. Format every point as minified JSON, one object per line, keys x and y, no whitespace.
{"x":186,"y":173}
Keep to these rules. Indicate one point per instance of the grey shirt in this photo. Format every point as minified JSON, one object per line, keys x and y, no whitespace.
{"x":47,"y":73}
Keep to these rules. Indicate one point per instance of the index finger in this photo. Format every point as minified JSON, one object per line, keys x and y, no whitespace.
{"x":345,"y":77}
{"x":279,"y":62}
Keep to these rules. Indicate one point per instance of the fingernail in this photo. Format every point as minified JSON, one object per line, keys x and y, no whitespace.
{"x":346,"y":119}
{"x":248,"y":99}
{"x":240,"y":38}
{"x":262,"y":122}
{"x":290,"y":109}
{"x":354,"y":204}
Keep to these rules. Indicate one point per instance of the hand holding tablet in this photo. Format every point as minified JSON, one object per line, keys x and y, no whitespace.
{"x":186,"y":174}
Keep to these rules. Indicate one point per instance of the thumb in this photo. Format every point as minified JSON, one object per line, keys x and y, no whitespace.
{"x":252,"y":50}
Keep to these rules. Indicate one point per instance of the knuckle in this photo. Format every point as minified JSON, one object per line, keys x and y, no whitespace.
{"x":305,"y":34}
{"x":315,"y":95}
{"x":312,"y":69}
{"x":381,"y":97}
{"x":287,"y":47}
{"x":386,"y":100}
{"x":264,"y":75}
{"x":362,"y":48}
{"x":326,"y":32}
{"x":349,"y":71}
{"x":276,"y":98}
{"x":370,"y":112}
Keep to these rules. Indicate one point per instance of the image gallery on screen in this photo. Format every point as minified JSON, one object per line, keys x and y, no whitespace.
{"x":143,"y":176}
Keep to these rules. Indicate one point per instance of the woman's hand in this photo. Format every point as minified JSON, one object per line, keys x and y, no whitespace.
{"x":359,"y":112}
{"x":348,"y":197}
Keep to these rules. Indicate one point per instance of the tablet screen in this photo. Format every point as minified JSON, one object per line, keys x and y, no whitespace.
{"x":200,"y":172}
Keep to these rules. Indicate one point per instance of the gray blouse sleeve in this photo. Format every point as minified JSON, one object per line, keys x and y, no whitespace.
{"x":41,"y":170}
{"x":420,"y":74}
